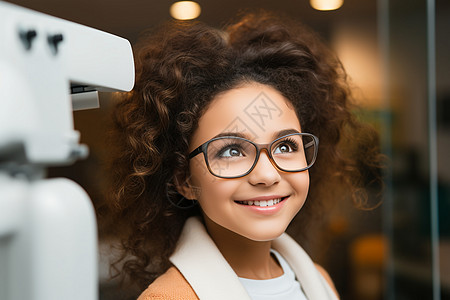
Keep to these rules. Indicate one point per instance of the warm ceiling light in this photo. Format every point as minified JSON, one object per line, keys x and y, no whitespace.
{"x":185,"y":10}
{"x":326,"y":4}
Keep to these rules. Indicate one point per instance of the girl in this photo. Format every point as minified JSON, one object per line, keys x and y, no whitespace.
{"x":217,"y":150}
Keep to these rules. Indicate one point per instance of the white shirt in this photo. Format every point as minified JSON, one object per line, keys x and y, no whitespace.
{"x":285,"y":287}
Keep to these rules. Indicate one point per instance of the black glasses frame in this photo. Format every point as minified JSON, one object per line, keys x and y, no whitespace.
{"x":259,"y":147}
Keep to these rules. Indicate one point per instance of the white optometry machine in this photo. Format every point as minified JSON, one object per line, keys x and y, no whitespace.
{"x":48,"y":232}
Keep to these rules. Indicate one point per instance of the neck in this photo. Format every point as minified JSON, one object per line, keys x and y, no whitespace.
{"x":248,"y":258}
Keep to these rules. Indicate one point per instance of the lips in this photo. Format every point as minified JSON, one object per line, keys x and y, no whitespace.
{"x":262,"y":203}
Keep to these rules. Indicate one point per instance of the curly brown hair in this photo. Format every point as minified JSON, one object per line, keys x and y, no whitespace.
{"x":180,"y":68}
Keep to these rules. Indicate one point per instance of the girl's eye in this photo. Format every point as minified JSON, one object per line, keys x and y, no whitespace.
{"x":283,"y":148}
{"x":230,"y":152}
{"x":286,"y":146}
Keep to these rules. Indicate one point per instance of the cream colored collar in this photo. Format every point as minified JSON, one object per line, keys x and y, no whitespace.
{"x":211,"y":277}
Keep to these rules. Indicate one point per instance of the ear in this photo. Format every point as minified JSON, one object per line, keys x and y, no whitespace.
{"x":184,"y":187}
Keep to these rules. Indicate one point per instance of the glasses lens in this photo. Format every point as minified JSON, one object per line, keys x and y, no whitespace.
{"x":230,"y":157}
{"x":294,"y":152}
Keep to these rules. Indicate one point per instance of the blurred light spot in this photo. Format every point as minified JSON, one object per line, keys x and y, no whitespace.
{"x":185,"y":10}
{"x":326,"y":4}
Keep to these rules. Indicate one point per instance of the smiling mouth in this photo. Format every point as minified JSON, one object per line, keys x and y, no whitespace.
{"x":262,"y":203}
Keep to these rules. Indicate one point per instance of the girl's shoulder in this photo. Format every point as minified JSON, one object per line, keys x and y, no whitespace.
{"x":327,"y":277}
{"x":169,"y":286}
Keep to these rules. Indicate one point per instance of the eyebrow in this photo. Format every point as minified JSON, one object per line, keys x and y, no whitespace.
{"x":234,"y":134}
{"x":244,"y":136}
{"x":284,"y":132}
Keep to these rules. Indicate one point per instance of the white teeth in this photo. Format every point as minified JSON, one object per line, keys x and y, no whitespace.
{"x":262,"y":203}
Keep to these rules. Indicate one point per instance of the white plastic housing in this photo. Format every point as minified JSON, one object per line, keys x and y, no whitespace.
{"x":35,"y":79}
{"x":48,"y":241}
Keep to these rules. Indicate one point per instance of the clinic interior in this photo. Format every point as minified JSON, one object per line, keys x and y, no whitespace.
{"x":399,"y":249}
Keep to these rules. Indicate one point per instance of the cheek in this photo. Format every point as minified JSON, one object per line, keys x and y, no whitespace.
{"x":197,"y":167}
{"x":207,"y":186}
{"x":214,"y":192}
{"x":304,"y":181}
{"x":300,"y":183}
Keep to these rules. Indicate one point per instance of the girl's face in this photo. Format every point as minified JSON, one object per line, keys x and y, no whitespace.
{"x":260,"y":114}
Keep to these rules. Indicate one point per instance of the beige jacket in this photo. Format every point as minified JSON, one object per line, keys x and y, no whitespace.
{"x":201,"y":272}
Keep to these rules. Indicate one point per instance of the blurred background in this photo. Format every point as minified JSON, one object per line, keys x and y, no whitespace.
{"x":397,"y":54}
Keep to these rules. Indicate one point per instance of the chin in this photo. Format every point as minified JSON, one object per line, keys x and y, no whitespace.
{"x":263,"y":234}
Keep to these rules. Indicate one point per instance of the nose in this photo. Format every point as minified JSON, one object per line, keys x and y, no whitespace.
{"x":264,"y":173}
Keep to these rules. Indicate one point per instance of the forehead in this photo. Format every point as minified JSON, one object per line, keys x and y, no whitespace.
{"x":254,"y":110}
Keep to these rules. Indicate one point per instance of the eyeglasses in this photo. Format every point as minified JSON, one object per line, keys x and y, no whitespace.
{"x":234,"y":157}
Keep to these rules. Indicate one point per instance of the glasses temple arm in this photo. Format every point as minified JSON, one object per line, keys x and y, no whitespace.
{"x":195,"y":152}
{"x":309,"y":144}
